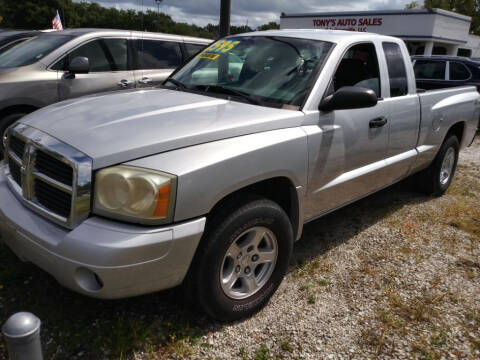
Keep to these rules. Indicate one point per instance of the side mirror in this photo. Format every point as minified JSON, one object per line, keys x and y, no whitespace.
{"x":79,"y":65}
{"x":349,"y":97}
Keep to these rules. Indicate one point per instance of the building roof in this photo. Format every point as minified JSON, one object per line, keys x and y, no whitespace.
{"x":383,"y":12}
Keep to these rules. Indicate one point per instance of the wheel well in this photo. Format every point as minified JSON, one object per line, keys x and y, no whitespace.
{"x":457,"y":130}
{"x":17,"y":109}
{"x":279,"y":189}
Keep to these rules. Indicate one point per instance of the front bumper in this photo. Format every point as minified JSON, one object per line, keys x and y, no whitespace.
{"x":100,"y":258}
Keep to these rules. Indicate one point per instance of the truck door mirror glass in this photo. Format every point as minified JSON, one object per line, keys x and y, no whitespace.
{"x":79,"y":65}
{"x":349,"y":97}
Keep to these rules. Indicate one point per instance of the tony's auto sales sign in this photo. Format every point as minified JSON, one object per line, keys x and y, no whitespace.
{"x":351,"y":24}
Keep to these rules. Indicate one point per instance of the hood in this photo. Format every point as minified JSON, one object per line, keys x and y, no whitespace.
{"x":116,"y":127}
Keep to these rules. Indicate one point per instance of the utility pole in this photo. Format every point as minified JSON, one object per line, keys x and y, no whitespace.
{"x":158,"y":13}
{"x":224,"y":28}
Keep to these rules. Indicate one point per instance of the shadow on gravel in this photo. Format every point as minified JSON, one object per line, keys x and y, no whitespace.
{"x":77,"y":327}
{"x":336,"y":228}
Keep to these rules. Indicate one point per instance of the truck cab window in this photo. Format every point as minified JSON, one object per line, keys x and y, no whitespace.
{"x":359,"y":67}
{"x":396,"y":69}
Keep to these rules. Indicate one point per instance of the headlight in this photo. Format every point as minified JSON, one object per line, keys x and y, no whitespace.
{"x":135,"y":194}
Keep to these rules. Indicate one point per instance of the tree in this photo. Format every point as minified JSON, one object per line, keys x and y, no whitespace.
{"x":272,"y":25}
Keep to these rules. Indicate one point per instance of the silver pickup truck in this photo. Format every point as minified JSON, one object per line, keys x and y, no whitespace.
{"x":208,"y":180}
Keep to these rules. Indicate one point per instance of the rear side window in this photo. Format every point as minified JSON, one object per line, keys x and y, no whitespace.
{"x":397,"y":73}
{"x":359,"y":67}
{"x":458,"y":71}
{"x":427,"y":69}
{"x":157,"y":54}
{"x":193,"y":49}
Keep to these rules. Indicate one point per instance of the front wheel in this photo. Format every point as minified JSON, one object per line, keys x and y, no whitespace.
{"x":436,"y":179}
{"x":242,"y":259}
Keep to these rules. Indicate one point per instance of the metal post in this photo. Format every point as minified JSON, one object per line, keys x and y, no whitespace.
{"x":22,"y":335}
{"x":224,"y":18}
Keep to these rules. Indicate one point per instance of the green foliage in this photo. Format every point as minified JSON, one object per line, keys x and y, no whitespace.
{"x":465,"y":7}
{"x":272,"y":25}
{"x":412,"y":5}
{"x":34,"y":14}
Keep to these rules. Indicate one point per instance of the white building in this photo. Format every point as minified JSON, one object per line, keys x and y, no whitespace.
{"x":425,"y":31}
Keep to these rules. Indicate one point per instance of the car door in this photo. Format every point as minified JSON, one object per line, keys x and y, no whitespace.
{"x":192,"y":49}
{"x":155,"y":60}
{"x":110,"y":68}
{"x":347,"y":162}
{"x":404,"y":114}
{"x":430,"y":74}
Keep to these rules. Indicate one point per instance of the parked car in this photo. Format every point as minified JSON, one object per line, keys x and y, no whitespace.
{"x":209,"y":183}
{"x":10,"y":38}
{"x":439,"y":71}
{"x":61,"y":65}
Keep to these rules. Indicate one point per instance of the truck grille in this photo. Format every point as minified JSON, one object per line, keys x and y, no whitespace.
{"x":54,"y":168}
{"x":52,"y":198}
{"x":49,"y":176}
{"x":15,"y":171}
{"x":17,"y":146}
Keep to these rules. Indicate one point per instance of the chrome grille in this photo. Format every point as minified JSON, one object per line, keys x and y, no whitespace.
{"x":49,"y":176}
{"x":17,"y":146}
{"x":52,"y":198}
{"x":54,"y":168}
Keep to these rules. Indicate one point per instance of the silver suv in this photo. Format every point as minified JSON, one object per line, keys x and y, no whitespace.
{"x":60,"y":65}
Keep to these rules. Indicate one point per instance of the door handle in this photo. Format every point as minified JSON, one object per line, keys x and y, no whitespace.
{"x":378,"y":122}
{"x":145,"y":81}
{"x":124,"y":83}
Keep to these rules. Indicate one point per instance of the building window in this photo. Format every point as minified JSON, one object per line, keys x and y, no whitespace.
{"x":397,"y":73}
{"x":464,"y":52}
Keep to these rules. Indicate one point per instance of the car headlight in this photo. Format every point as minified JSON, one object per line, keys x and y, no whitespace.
{"x":135,"y":194}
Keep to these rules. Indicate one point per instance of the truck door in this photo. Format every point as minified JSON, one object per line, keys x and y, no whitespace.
{"x":404,"y":114}
{"x":346,"y":164}
{"x":109,"y":68}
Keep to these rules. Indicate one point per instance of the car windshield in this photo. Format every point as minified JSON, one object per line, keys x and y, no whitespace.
{"x":32,"y":50}
{"x":268,"y":70}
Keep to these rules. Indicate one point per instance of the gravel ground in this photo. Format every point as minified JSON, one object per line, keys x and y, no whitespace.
{"x":396,"y":275}
{"x":393,"y":276}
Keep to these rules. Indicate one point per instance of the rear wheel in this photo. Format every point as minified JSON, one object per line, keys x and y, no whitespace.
{"x":242,"y":259}
{"x":436,"y":179}
{"x":4,"y":124}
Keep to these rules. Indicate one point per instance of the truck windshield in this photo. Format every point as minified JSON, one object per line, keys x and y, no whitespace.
{"x":32,"y":50}
{"x":268,"y":70}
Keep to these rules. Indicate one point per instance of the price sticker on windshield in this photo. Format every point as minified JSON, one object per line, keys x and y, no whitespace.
{"x":214,"y":51}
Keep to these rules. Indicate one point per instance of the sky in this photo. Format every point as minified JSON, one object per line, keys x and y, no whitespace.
{"x":251,"y":12}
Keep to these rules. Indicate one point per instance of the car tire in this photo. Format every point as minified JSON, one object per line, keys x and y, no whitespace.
{"x":5,"y":122}
{"x":436,"y":179}
{"x":241,"y":260}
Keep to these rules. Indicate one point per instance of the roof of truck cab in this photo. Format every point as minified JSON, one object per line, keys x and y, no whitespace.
{"x":335,"y":36}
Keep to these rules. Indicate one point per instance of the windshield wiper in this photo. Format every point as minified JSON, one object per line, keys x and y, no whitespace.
{"x":229,"y":91}
{"x":177,"y":83}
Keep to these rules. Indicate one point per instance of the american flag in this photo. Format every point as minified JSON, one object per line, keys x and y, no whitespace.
{"x":57,"y":23}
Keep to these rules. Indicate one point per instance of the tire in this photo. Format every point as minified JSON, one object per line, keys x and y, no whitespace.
{"x":4,"y":124}
{"x":436,"y":179}
{"x":211,"y":284}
